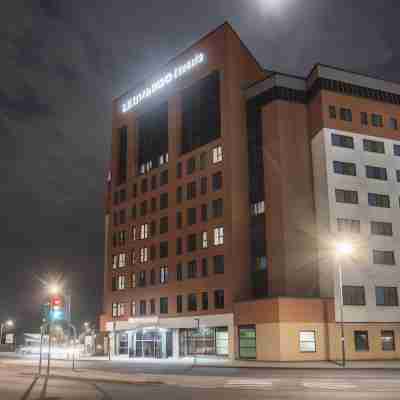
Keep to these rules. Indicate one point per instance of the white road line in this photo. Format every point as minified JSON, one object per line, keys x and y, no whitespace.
{"x":329,"y":385}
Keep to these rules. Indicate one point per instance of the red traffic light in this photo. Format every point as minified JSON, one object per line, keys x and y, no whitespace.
{"x":57,"y":301}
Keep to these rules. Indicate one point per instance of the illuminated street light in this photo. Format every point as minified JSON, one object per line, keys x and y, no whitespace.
{"x":343,"y":249}
{"x":10,"y":323}
{"x":54,"y":289}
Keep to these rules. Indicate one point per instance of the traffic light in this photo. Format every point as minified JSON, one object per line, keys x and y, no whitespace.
{"x":57,"y":308}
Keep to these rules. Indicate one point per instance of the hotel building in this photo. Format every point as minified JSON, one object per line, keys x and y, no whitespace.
{"x":229,"y":188}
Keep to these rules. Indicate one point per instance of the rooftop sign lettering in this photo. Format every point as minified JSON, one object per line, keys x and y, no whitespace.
{"x":166,"y":80}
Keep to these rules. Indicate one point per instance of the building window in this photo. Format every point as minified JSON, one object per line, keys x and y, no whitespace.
{"x":143,"y":208}
{"x":378,"y":200}
{"x":164,"y":275}
{"x":118,"y":309}
{"x":179,"y":246}
{"x":121,"y":282}
{"x":217,"y":181}
{"x":163,"y":201}
{"x":152,"y":277}
{"x":144,"y":231}
{"x":346,"y":196}
{"x":179,"y":272}
{"x":332,"y":112}
{"x":346,"y":114}
{"x":219,"y":264}
{"x":144,"y":255}
{"x":376,"y":173}
{"x":142,"y":307}
{"x":179,"y":194}
{"x":191,"y":191}
{"x":204,"y":240}
{"x":204,"y":212}
{"x":203,"y":160}
{"x":134,"y":212}
{"x":133,"y":280}
{"x":218,"y":208}
{"x":152,"y":306}
{"x":364,"y":118}
{"x":133,"y":232}
{"x":388,"y":341}
{"x":307,"y":342}
{"x":164,"y":305}
{"x":163,"y":249}
{"x":179,"y":303}
{"x":204,"y":267}
{"x":386,"y":296}
{"x":396,"y":149}
{"x":381,"y":228}
{"x":192,"y":269}
{"x":154,"y":182}
{"x":163,"y":225}
{"x":179,"y":170}
{"x":134,"y":190}
{"x":261,"y":263}
{"x":219,"y":299}
{"x":122,"y":260}
{"x":398,"y":175}
{"x":153,"y":228}
{"x":377,"y":120}
{"x":115,"y":262}
{"x":203,"y":185}
{"x":217,"y":154}
{"x":191,"y":242}
{"x":342,"y":141}
{"x":153,"y":204}
{"x":144,"y":186}
{"x":191,"y":216}
{"x":393,"y":124}
{"x":204,"y":301}
{"x":190,"y":165}
{"x":346,"y":225}
{"x":133,"y":308}
{"x":374,"y":146}
{"x":361,"y":340}
{"x":247,"y":342}
{"x":164,"y":178}
{"x":142,"y":279}
{"x":344,"y":168}
{"x":114,"y":311}
{"x":152,"y":252}
{"x":179,"y":220}
{"x":383,"y":257}
{"x":192,"y":302}
{"x":218,"y":236}
{"x":114,"y":283}
{"x":353,"y":295}
{"x":257,"y":208}
{"x":122,"y":217}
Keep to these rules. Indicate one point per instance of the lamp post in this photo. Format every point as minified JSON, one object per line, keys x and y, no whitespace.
{"x":342,"y":249}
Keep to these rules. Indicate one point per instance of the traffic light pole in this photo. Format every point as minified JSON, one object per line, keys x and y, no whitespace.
{"x":41,"y":350}
{"x":49,"y":353}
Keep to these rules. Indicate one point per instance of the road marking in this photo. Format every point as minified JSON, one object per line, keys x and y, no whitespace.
{"x":248,"y":384}
{"x":329,"y":385}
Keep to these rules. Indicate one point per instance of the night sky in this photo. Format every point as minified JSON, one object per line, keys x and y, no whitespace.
{"x":62,"y":62}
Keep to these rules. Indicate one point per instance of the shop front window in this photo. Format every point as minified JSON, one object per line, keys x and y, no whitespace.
{"x":247,"y":342}
{"x":204,"y":341}
{"x":123,"y":343}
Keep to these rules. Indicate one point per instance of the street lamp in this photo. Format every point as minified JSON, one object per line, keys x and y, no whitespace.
{"x":343,"y":249}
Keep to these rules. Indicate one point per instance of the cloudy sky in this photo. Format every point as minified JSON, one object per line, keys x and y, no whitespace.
{"x":61,"y":63}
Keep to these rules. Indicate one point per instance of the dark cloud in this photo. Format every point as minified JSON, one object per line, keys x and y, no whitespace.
{"x":23,"y":106}
{"x":63,"y":61}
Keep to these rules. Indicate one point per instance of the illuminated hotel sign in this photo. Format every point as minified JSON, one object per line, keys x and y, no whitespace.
{"x":166,"y":80}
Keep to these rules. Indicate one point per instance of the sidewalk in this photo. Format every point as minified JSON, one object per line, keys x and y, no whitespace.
{"x":225,"y":363}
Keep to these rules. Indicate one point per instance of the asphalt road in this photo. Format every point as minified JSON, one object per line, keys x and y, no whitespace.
{"x":18,"y":382}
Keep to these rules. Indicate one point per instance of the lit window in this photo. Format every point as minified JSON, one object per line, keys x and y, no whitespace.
{"x":218,"y":236}
{"x":121,"y":309}
{"x":115,"y":262}
{"x":121,"y":282}
{"x":204,"y":241}
{"x":114,"y":309}
{"x":122,"y":260}
{"x":258,"y":208}
{"x":133,"y":308}
{"x":307,"y":341}
{"x":133,"y":277}
{"x":217,"y":154}
{"x":133,"y":232}
{"x":144,"y":231}
{"x":164,"y":274}
{"x":143,"y":255}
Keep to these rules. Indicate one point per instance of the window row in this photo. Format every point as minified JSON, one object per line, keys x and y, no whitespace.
{"x":385,"y":296}
{"x":192,"y":165}
{"x":349,"y":168}
{"x":193,"y":303}
{"x":372,"y":146}
{"x":351,"y":197}
{"x":376,"y":120}
{"x":348,"y":225}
